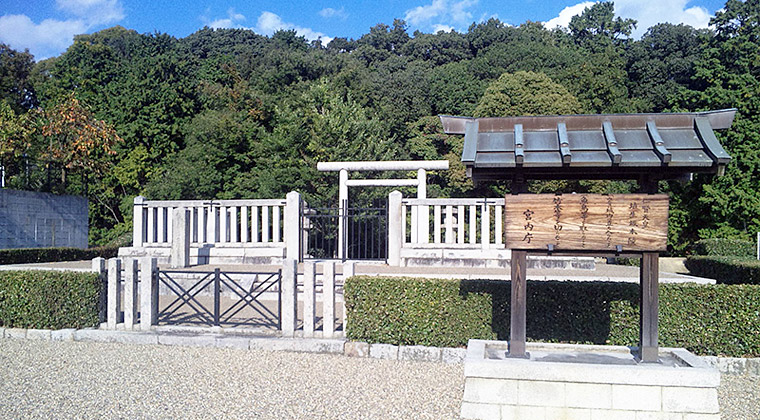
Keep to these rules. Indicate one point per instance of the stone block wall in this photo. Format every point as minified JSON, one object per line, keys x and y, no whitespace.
{"x":40,"y":220}
{"x":597,"y":385}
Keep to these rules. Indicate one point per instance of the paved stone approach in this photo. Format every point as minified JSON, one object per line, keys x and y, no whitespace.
{"x":506,"y":389}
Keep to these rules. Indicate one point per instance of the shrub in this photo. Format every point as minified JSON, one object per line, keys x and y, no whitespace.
{"x":39,"y":255}
{"x":706,"y":319}
{"x":725,"y":270}
{"x":49,"y":299}
{"x":725,"y":247}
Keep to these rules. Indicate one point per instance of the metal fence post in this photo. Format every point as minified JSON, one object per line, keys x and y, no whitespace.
{"x":217,"y":297}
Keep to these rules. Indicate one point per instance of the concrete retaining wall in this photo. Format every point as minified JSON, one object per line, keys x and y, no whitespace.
{"x":39,"y":220}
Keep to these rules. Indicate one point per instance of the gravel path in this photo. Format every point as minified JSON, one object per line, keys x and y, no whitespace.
{"x":104,"y":380}
{"x":739,"y":397}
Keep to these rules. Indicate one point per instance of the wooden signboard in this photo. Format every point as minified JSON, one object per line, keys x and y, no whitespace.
{"x":594,"y":222}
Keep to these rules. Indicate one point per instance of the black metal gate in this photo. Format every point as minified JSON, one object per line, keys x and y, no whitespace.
{"x":220,"y":298}
{"x":364,"y":236}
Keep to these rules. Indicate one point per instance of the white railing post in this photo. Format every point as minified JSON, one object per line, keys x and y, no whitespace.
{"x":395,"y":230}
{"x":309,"y":297}
{"x":328,"y":299}
{"x":266,"y":227}
{"x":130,"y":293}
{"x":148,"y":293}
{"x":473,"y":224}
{"x":180,"y":253}
{"x":288,"y":297}
{"x":292,"y":227}
{"x":161,"y":223}
{"x":449,"y":224}
{"x":460,"y":224}
{"x":485,"y":227}
{"x":437,"y":224}
{"x":138,"y":222}
{"x":114,"y":293}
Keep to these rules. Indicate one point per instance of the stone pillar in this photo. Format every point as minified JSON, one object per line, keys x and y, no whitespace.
{"x":289,"y":297}
{"x":180,"y":257}
{"x":424,"y":211}
{"x":349,"y":270}
{"x":395,"y":224}
{"x":114,"y":293}
{"x":148,"y":293}
{"x":328,"y":299}
{"x":138,"y":221}
{"x":292,"y":226}
{"x":99,"y":267}
{"x":309,"y":297}
{"x":130,"y":293}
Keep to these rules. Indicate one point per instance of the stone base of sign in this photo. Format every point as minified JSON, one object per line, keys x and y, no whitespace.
{"x":562,"y":381}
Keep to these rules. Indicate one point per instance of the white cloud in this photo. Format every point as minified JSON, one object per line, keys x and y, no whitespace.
{"x":650,"y":13}
{"x":441,"y":13}
{"x":439,"y":27}
{"x":268,"y":23}
{"x":329,"y":12}
{"x":566,"y":14}
{"x":45,"y":39}
{"x":52,"y":36}
{"x":94,"y":12}
{"x":646,"y":13}
{"x":230,"y":22}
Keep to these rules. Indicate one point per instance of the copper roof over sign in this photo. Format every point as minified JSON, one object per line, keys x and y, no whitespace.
{"x":604,"y":146}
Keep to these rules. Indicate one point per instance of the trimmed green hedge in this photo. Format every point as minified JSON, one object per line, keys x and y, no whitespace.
{"x":49,"y":299}
{"x":39,"y":255}
{"x":725,"y":270}
{"x":708,"y":320}
{"x":725,"y":247}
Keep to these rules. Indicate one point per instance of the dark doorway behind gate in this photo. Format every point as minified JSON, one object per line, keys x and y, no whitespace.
{"x":364,"y":235}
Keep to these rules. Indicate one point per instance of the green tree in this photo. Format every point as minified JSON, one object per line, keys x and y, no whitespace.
{"x":526,"y":93}
{"x":15,"y":86}
{"x":662,"y":63}
{"x":728,"y":75}
{"x":597,"y":28}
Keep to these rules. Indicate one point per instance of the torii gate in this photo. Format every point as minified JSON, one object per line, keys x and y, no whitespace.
{"x":421,"y":166}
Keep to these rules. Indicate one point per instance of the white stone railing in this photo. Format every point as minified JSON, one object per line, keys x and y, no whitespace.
{"x":455,"y":222}
{"x":235,"y":223}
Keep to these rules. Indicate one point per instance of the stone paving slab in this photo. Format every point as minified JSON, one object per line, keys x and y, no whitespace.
{"x":225,"y":338}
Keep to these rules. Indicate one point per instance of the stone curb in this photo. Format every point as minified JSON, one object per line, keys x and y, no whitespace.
{"x":726,"y":365}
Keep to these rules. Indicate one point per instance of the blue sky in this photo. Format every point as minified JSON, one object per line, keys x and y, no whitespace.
{"x":47,"y":28}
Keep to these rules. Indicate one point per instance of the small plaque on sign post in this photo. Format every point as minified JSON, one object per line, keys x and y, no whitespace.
{"x":594,"y":222}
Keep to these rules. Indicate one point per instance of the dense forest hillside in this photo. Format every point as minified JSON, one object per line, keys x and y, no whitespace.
{"x":227,"y":113}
